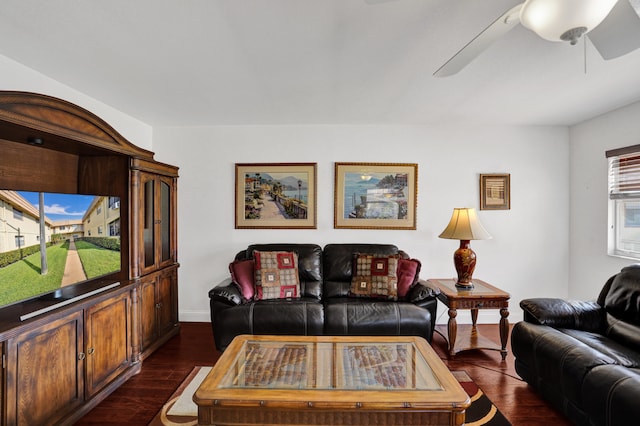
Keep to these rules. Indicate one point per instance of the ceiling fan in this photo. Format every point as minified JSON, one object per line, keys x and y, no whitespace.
{"x":613,"y":26}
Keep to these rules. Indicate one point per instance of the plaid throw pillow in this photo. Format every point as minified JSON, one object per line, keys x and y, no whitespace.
{"x":375,"y":276}
{"x":276,"y":274}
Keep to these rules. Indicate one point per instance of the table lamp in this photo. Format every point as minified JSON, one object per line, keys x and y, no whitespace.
{"x":464,"y":226}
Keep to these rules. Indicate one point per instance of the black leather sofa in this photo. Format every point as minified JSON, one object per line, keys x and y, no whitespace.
{"x":584,"y":357}
{"x":325,"y":306}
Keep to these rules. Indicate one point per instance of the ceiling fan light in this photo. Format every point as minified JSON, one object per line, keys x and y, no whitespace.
{"x":558,"y":20}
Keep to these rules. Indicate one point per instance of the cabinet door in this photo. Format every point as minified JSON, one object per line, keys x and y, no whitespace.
{"x":44,"y":372}
{"x":148,"y":308}
{"x":166,"y":220}
{"x":167,"y":301}
{"x":157,"y":216}
{"x":107,"y":326}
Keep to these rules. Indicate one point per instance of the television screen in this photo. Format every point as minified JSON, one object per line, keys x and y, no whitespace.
{"x":81,"y":235}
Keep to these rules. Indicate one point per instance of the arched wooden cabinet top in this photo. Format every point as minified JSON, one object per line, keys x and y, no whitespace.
{"x":60,"y":125}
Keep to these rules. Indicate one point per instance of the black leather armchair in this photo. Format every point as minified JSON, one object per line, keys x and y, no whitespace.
{"x":325,"y":306}
{"x":584,"y":357}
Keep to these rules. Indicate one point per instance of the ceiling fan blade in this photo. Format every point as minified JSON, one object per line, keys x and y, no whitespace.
{"x":619,"y":33}
{"x":475,"y":47}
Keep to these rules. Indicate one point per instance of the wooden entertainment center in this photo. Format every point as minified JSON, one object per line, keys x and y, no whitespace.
{"x":58,"y":365}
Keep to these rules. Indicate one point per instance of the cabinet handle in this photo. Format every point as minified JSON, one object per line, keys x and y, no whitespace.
{"x":158,"y":305}
{"x":91,"y":351}
{"x":81,"y":356}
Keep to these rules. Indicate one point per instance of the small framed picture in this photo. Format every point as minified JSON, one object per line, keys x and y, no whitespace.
{"x":375,"y":195}
{"x":495,"y":191}
{"x":275,"y":196}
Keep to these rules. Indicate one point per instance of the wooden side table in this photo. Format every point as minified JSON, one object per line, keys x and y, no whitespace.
{"x":481,"y":296}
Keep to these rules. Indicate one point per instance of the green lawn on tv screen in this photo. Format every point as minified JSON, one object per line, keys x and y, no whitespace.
{"x":23,"y":279}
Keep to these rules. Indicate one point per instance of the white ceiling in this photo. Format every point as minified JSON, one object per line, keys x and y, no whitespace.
{"x":242,"y":62}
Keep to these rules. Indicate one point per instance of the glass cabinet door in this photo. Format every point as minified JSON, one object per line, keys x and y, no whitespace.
{"x":156,"y":216}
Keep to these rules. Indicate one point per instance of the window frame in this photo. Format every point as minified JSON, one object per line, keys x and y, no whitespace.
{"x":623,"y":180}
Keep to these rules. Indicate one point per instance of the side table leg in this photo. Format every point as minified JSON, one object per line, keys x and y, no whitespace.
{"x":474,"y":317}
{"x":452,"y":329}
{"x":504,"y":332}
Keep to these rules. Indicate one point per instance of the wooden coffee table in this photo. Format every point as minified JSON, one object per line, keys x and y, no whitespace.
{"x":326,"y":380}
{"x":482,"y":296}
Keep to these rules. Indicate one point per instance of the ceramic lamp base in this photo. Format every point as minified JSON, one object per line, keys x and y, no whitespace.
{"x":464,"y":260}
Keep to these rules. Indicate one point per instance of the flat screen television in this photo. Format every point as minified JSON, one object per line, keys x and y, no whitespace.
{"x":81,"y":233}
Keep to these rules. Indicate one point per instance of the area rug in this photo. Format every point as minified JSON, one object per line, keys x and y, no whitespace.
{"x":482,"y":411}
{"x":180,"y":410}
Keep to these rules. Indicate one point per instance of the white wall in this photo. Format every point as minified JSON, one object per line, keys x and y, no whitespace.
{"x":15,"y":76}
{"x":527,"y":257}
{"x":590,"y":265}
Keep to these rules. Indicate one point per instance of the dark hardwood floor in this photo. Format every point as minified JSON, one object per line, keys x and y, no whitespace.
{"x":139,"y":399}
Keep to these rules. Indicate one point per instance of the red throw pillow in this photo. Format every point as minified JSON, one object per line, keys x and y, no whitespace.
{"x":276,"y":275}
{"x":408,"y":272}
{"x":242,"y":275}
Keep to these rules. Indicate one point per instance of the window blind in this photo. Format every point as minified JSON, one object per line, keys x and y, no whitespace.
{"x":624,"y":172}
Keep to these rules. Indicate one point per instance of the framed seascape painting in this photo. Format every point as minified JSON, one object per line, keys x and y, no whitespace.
{"x":275,"y":195}
{"x":375,"y":195}
{"x":495,"y":191}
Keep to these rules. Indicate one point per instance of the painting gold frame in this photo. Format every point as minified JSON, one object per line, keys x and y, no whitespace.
{"x":276,"y":196}
{"x":495,"y":191}
{"x":375,"y":195}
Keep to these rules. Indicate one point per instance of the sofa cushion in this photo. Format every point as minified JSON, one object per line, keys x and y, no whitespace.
{"x":408,"y":275}
{"x":290,"y":317}
{"x":610,"y":395}
{"x":374,"y":317}
{"x":304,"y":316}
{"x":276,"y":275}
{"x":620,"y":353}
{"x":375,"y":276}
{"x":242,"y":274}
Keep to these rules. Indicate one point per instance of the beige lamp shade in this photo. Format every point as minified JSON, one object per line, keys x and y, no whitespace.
{"x":465,"y":225}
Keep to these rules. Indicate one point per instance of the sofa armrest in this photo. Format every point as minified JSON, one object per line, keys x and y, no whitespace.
{"x":226,"y":292}
{"x":559,"y":313}
{"x":420,"y":291}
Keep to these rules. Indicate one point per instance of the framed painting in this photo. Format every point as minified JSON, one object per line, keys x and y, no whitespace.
{"x":375,"y":195}
{"x":495,"y":191}
{"x":275,"y":196}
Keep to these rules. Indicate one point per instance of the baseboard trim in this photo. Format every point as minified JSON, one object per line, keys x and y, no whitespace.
{"x":194,"y":316}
